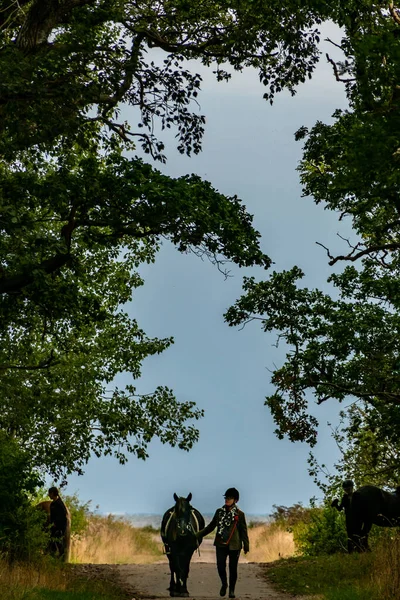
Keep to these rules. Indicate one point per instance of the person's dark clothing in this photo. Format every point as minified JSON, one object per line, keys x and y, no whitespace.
{"x":228,"y":543}
{"x":223,"y":553}
{"x":58,"y":526}
{"x":345,"y":505}
{"x":239,"y":539}
{"x":58,"y":517}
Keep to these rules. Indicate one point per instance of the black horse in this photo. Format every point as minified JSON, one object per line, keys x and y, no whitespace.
{"x":369,"y":506}
{"x":178,"y":528}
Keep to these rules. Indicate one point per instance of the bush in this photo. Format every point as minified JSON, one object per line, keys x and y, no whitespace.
{"x":325,"y":533}
{"x":80,"y":513}
{"x":289,"y":516}
{"x":21,"y":527}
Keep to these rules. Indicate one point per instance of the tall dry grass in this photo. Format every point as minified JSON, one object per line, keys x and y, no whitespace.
{"x":386,"y":567}
{"x":269,"y":542}
{"x":17,"y":580}
{"x":114,"y":540}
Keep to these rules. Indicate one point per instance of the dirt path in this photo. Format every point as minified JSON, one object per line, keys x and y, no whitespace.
{"x":150,"y":582}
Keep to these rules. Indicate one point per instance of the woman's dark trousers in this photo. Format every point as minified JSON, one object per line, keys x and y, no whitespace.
{"x":222,"y":555}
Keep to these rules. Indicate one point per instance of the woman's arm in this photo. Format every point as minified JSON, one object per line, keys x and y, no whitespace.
{"x":210,"y":527}
{"x":242,"y":526}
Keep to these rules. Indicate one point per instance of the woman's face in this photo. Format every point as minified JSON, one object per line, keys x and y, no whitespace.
{"x":229,"y":501}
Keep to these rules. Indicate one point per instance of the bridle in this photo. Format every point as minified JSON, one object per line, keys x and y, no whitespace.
{"x":183,"y":521}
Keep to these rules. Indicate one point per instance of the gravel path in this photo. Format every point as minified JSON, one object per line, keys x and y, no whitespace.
{"x":151,"y":581}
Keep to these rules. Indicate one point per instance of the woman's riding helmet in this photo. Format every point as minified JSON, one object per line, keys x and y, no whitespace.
{"x":232,"y":493}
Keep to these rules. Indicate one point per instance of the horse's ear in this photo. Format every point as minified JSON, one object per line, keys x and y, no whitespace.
{"x":189,"y":497}
{"x":176,"y":498}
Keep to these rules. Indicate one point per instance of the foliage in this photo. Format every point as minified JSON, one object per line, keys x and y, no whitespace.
{"x":80,"y":213}
{"x":325,"y":533}
{"x":343,"y":343}
{"x":84,"y":58}
{"x":80,"y":514}
{"x":289,"y":516}
{"x":21,"y":526}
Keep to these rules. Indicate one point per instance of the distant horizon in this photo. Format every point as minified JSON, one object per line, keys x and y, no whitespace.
{"x":161,"y":514}
{"x":154,"y":519}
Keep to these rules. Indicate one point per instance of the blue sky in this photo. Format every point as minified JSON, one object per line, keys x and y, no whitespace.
{"x":248,"y":150}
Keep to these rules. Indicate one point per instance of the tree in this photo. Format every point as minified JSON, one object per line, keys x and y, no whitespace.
{"x":344,"y":344}
{"x":79,"y":214}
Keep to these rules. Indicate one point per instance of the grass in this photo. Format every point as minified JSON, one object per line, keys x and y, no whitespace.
{"x":107,"y":540}
{"x":336,"y":577}
{"x":51,"y":581}
{"x":90,"y":591}
{"x":114,"y":540}
{"x":269,"y":543}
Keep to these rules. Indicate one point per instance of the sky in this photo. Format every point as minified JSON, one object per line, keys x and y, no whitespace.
{"x":248,"y":150}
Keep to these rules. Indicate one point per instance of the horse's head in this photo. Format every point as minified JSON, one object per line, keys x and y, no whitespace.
{"x":183,"y":515}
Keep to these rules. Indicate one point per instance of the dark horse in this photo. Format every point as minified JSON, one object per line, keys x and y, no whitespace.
{"x":179,"y":526}
{"x":371,"y":506}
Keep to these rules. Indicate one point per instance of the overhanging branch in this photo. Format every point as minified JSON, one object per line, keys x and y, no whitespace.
{"x":16,"y":283}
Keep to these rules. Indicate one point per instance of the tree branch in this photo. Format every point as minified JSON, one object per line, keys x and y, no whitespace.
{"x":44,"y":364}
{"x":353,"y":257}
{"x":336,"y":71}
{"x":18,"y":282}
{"x":43,"y":16}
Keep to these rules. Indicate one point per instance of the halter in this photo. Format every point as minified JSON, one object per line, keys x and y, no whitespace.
{"x":187,"y":528}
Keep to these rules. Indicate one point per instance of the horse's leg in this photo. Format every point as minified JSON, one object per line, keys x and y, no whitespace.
{"x":184,"y":584}
{"x":366,"y":528}
{"x":351,"y":536}
{"x":186,"y":575}
{"x":182,"y":574}
{"x":354,"y":534}
{"x":355,"y":539}
{"x":172,"y":586}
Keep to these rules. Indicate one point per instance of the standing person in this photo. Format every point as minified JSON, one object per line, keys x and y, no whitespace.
{"x":58,"y":523}
{"x":345,"y":504}
{"x":231,"y":536}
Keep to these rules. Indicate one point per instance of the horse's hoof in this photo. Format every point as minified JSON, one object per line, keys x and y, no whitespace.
{"x":185,"y":594}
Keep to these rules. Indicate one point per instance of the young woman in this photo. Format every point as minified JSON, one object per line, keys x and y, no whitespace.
{"x":230,"y":538}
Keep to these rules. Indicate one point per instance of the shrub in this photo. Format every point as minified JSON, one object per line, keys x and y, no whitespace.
{"x":21,"y":527}
{"x":289,"y":516}
{"x":80,"y":513}
{"x":325,"y":533}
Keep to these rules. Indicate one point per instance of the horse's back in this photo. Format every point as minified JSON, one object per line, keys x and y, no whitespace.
{"x":377,"y":504}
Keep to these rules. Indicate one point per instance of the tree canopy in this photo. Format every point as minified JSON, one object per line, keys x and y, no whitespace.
{"x":344,"y":344}
{"x":79,"y":211}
